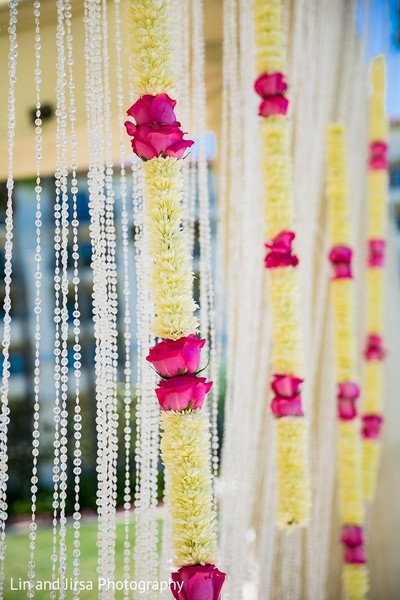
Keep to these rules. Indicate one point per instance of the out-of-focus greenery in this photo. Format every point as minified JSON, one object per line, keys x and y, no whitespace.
{"x":17,"y":557}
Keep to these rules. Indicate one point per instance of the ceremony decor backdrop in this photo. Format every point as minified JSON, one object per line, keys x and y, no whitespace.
{"x":224,"y":424}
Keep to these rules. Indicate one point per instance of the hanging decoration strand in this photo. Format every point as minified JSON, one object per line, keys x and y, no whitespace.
{"x":9,"y":225}
{"x":159,"y":141}
{"x":355,"y":574}
{"x":284,"y":287}
{"x":126,"y":301}
{"x":37,"y":307}
{"x":60,"y":313}
{"x":207,"y":302}
{"x":374,"y":352}
{"x":77,"y":356}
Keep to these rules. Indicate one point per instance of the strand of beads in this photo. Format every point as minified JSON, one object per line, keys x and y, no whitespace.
{"x":126,"y":305}
{"x":207,"y":301}
{"x":286,"y":406}
{"x":355,"y":574}
{"x":9,"y":223}
{"x":38,"y":304}
{"x":61,"y":234}
{"x":77,"y":418}
{"x":374,"y":353}
{"x":159,"y":141}
{"x":103,"y":302}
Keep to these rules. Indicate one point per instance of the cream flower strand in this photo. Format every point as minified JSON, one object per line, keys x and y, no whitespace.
{"x":185,"y":438}
{"x":374,"y":352}
{"x":355,"y":574}
{"x":287,"y":362}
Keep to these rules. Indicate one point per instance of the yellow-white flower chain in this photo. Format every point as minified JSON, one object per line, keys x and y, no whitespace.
{"x":376,"y":230}
{"x":292,"y":432}
{"x":185,"y":442}
{"x":355,"y":576}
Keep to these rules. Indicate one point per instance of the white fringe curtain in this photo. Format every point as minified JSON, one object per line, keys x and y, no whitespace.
{"x":327,"y":81}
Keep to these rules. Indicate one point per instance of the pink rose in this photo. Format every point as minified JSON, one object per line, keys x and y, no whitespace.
{"x":348,"y":392}
{"x":352,"y":536}
{"x":270,"y":84}
{"x":280,"y":251}
{"x":378,"y":156}
{"x":154,"y":109}
{"x":376,"y":256}
{"x":182,"y":392}
{"x":156,"y":132}
{"x":374,"y":349}
{"x":340,"y":257}
{"x":286,"y":386}
{"x":176,"y":357}
{"x":198,"y":582}
{"x":273,"y":105}
{"x":159,"y":140}
{"x":371,"y":426}
{"x":354,"y":556}
{"x":287,"y":407}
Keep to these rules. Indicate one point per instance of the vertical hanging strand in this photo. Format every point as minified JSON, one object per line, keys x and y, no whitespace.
{"x":374,"y":351}
{"x":60,"y":313}
{"x":284,"y":287}
{"x":126,"y":301}
{"x":5,"y":411}
{"x":355,"y":574}
{"x":112,"y":303}
{"x":207,"y":304}
{"x":103,"y":327}
{"x":38,"y":305}
{"x":159,"y":141}
{"x":77,"y":418}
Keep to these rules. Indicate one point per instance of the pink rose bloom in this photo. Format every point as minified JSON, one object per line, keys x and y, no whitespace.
{"x":340,"y":257}
{"x":286,"y":386}
{"x":376,"y":256}
{"x":287,"y":407}
{"x":150,"y":141}
{"x":154,"y":109}
{"x":348,"y":390}
{"x":200,"y":582}
{"x":273,"y":105}
{"x":374,"y":349}
{"x":371,"y":426}
{"x":354,"y":556}
{"x":280,"y":251}
{"x":156,"y":132}
{"x":352,"y":536}
{"x":176,"y":357}
{"x":346,"y":409}
{"x":378,"y":156}
{"x":270,"y":84}
{"x":182,"y":392}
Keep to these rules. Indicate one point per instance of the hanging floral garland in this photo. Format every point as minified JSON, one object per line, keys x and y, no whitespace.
{"x":281,"y":262}
{"x":355,"y":575}
{"x":374,"y":352}
{"x":158,"y":140}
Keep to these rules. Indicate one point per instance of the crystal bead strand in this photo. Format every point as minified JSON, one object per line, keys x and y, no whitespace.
{"x":38,"y":303}
{"x":96,"y":178}
{"x":9,"y":225}
{"x":126,"y":300}
{"x":112,"y":296}
{"x":207,"y":309}
{"x":61,"y":310}
{"x":147,"y":415}
{"x":77,"y":419}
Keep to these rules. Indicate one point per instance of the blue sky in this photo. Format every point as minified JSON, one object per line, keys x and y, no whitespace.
{"x":379,"y":21}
